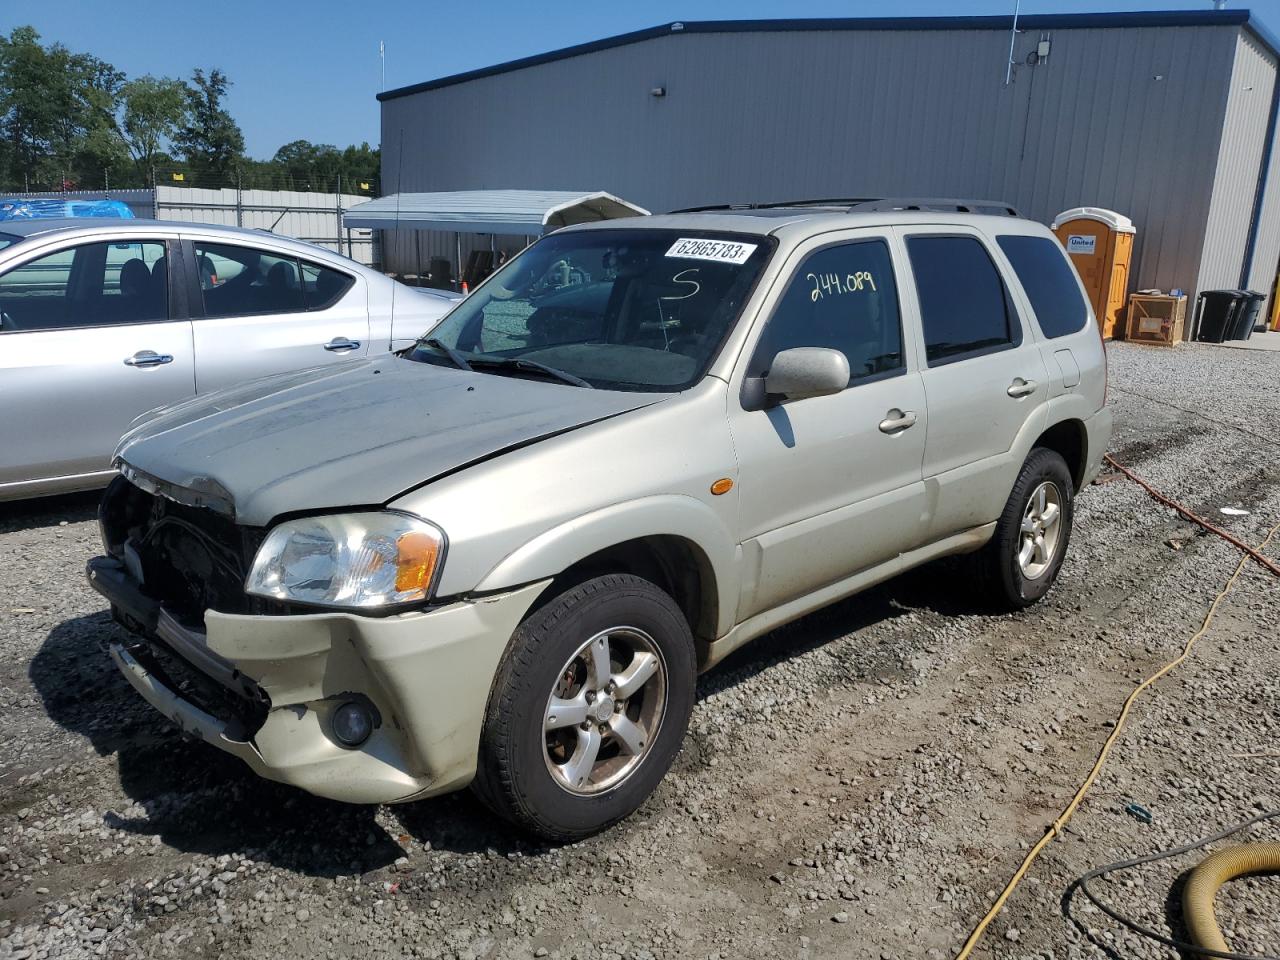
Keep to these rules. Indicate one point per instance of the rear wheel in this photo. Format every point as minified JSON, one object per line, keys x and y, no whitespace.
{"x":1023,"y":558}
{"x":588,"y":708}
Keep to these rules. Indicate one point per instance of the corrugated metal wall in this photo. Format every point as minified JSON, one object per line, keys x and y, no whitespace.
{"x":307,"y":216}
{"x":1235,"y":185}
{"x":314,"y":217}
{"x":1266,"y":253}
{"x":1127,"y":118}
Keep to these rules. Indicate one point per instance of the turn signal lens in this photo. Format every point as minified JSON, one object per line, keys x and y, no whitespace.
{"x":416,"y":561}
{"x":723,"y":485}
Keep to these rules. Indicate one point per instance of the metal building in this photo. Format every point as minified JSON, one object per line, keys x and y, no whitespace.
{"x":1166,"y":117}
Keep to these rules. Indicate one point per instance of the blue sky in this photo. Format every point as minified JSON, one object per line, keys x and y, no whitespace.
{"x":310,"y":70}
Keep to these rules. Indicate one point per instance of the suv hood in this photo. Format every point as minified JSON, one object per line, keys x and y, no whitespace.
{"x":354,"y":434}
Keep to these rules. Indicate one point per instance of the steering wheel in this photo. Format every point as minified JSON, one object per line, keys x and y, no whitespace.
{"x":6,"y":321}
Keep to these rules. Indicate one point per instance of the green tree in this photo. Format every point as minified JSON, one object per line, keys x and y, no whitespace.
{"x":56,"y":110}
{"x":91,"y":143}
{"x":303,"y":165}
{"x":152,"y":110}
{"x":72,"y":120}
{"x":308,"y":166}
{"x":210,"y":140}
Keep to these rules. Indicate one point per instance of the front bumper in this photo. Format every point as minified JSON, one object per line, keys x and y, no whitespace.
{"x":428,"y":674}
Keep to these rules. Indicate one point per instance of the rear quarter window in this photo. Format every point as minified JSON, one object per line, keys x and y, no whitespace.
{"x":1049,"y":281}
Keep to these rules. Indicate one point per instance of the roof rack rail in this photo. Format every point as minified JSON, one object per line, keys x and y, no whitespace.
{"x":863,"y":205}
{"x":991,"y":207}
{"x":773,"y":205}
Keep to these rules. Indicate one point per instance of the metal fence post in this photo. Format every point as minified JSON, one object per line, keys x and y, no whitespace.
{"x":239,"y":201}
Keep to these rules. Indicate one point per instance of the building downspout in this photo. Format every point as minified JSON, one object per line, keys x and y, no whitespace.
{"x":1259,"y":195}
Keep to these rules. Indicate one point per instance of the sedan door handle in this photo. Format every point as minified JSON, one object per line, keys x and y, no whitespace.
{"x":898,"y":420}
{"x":338,"y":344}
{"x":1021,"y":388}
{"x":148,"y":358}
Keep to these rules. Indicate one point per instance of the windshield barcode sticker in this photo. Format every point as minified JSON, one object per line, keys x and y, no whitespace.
{"x":722,"y":251}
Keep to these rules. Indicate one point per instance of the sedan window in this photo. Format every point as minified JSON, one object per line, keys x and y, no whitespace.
{"x":240,"y":281}
{"x":94,"y":284}
{"x":243,"y":281}
{"x":322,"y":287}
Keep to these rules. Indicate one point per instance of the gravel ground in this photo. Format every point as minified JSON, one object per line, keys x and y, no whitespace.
{"x":860,"y":783}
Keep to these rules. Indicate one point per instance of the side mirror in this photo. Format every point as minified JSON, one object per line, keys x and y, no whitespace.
{"x":803,"y":372}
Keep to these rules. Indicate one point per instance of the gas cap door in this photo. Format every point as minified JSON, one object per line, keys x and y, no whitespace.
{"x":1070,"y":369}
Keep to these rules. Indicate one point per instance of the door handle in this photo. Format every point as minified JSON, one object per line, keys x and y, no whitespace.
{"x":338,"y":344}
{"x":898,"y":420}
{"x":148,"y":358}
{"x":1021,"y":388}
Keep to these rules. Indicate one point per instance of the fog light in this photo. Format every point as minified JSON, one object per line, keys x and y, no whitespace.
{"x":352,"y":723}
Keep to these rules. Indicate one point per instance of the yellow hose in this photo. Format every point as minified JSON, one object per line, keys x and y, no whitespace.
{"x":1056,"y":827}
{"x":1206,"y":879}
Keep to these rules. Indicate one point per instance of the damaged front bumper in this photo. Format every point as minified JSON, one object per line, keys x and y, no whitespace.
{"x":264,"y":688}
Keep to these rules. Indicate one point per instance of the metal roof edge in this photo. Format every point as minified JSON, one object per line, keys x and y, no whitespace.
{"x":1043,"y":21}
{"x":1264,"y":36}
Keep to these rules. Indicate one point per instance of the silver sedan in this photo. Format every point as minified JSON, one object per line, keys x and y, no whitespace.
{"x":102,"y":320}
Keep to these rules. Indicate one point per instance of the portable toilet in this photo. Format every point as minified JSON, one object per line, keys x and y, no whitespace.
{"x":1100,"y":243}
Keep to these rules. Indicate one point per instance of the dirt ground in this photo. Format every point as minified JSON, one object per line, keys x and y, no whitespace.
{"x":858,"y":784}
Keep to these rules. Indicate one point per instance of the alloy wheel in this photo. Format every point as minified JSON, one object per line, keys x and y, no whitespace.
{"x":605,"y":710}
{"x":1041,"y":530}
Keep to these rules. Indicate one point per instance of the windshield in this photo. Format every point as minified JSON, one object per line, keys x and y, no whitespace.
{"x":631,"y":309}
{"x":8,"y":240}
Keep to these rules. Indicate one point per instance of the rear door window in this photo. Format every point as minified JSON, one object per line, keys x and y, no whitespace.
{"x":964,"y":307}
{"x":240,"y":281}
{"x":322,"y":287}
{"x":1049,"y":281}
{"x":842,"y":297}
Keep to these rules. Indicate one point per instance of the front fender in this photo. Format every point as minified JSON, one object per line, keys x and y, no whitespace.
{"x":674,"y":515}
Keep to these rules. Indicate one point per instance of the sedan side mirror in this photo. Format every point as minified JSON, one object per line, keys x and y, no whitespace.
{"x":803,"y":372}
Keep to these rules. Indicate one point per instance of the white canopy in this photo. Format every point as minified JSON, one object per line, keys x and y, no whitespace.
{"x":516,"y":212}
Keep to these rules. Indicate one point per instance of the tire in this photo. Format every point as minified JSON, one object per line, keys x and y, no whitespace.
{"x":532,"y":775}
{"x":1004,"y":579}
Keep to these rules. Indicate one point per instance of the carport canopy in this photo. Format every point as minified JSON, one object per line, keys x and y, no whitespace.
{"x":515,"y":212}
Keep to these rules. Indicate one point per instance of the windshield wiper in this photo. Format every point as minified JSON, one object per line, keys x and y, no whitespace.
{"x":533,"y":366}
{"x":457,"y":359}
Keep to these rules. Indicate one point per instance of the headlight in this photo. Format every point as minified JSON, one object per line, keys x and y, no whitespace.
{"x":348,"y":560}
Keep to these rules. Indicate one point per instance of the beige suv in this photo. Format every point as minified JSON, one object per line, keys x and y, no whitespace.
{"x":501,"y":557}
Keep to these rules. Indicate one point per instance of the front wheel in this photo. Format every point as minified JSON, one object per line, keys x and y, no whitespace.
{"x":588,"y":708}
{"x":1021,"y":562}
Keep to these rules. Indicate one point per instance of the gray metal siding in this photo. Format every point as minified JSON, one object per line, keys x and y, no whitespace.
{"x":1266,"y":252}
{"x":769,"y":116}
{"x":1239,"y":159}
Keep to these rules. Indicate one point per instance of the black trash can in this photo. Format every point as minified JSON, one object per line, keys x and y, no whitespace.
{"x":1216,"y":314}
{"x":1247,"y":314}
